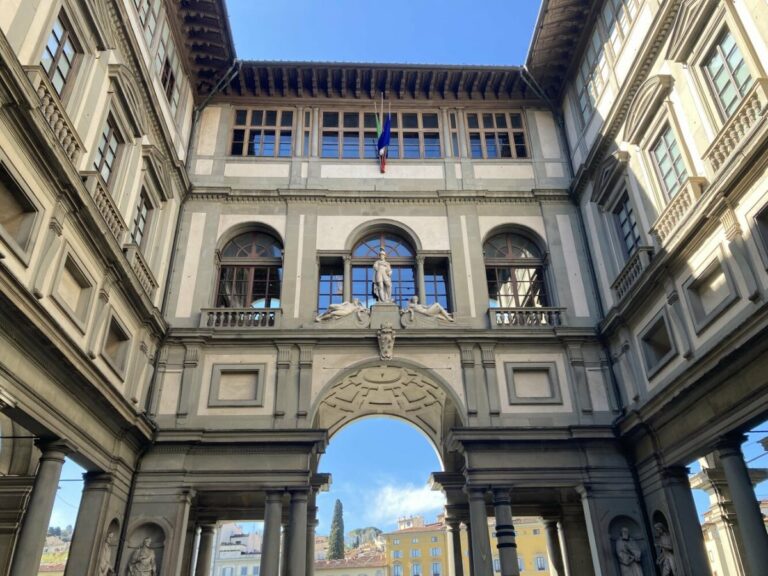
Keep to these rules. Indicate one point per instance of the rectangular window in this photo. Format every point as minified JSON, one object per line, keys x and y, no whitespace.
{"x":397,"y":570}
{"x":496,"y":565}
{"x":243,"y":570}
{"x":397,"y":554}
{"x":434,"y":552}
{"x":541,"y":563}
{"x":618,"y":16}
{"x":17,"y":213}
{"x":264,"y":133}
{"x":116,"y":345}
{"x":59,"y":54}
{"x":330,"y":289}
{"x":149,"y":11}
{"x":516,"y":286}
{"x":497,"y":135}
{"x":728,"y":73}
{"x":627,"y":225}
{"x":437,"y":569}
{"x":436,"y":285}
{"x":307,"y":134}
{"x":658,"y":347}
{"x":415,"y":569}
{"x":592,"y":75}
{"x":106,"y":152}
{"x":669,"y":162}
{"x":141,"y":219}
{"x":415,"y":553}
{"x":454,"y":136}
{"x":168,"y":66}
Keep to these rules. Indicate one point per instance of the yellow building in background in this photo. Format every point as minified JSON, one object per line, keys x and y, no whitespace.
{"x":420,"y":549}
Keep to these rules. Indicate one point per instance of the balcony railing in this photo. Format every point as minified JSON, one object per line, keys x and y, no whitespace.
{"x":54,"y":113}
{"x":525,"y":317}
{"x":632,"y":270}
{"x":738,"y":126}
{"x":106,"y":205}
{"x":141,"y":268}
{"x":678,"y":209}
{"x":240,"y":318}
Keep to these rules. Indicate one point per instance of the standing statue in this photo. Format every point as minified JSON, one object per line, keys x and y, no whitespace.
{"x":433,"y":310}
{"x":142,"y":561}
{"x":386,"y":341}
{"x":382,"y":281}
{"x":336,"y":311}
{"x":664,"y":553}
{"x":629,"y":555}
{"x":105,"y":558}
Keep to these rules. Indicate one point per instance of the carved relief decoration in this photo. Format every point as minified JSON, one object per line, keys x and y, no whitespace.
{"x":389,"y":390}
{"x":645,"y":105}
{"x":686,"y":31}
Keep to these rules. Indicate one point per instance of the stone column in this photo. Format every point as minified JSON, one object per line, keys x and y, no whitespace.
{"x":421,"y":285}
{"x":482,"y":562}
{"x":685,"y":530}
{"x":297,"y":547}
{"x":455,"y":565}
{"x":311,"y":527}
{"x":505,"y":532}
{"x":34,"y":527}
{"x":87,"y":541}
{"x":470,"y":565}
{"x":270,"y":547}
{"x":205,"y":552}
{"x":553,"y":546}
{"x":347,"y":287}
{"x":745,"y":503}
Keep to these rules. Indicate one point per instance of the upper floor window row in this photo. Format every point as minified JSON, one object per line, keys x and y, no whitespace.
{"x":58,"y":56}
{"x":353,"y":135}
{"x":610,"y":32}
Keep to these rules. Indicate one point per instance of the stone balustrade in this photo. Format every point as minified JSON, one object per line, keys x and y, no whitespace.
{"x":106,"y":205}
{"x":53,"y":111}
{"x":632,"y":270}
{"x":240,"y":318}
{"x":678,"y":209}
{"x":525,"y":317}
{"x":738,"y":126}
{"x":141,"y":268}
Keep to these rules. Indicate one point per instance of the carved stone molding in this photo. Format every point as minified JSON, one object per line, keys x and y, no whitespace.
{"x":392,"y":390}
{"x":686,"y":31}
{"x":644,"y":106}
{"x":609,"y":173}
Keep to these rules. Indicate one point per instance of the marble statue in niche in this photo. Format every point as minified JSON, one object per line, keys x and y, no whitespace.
{"x":386,"y":341}
{"x":665,"y":555}
{"x":382,"y":280}
{"x":629,"y":554}
{"x":105,"y":556}
{"x":142,"y":561}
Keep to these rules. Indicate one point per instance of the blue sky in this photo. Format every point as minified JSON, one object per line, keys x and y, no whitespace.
{"x":492,"y":32}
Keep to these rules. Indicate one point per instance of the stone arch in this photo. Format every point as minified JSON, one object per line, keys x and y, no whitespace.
{"x":243,"y":227}
{"x":396,"y":388}
{"x":524,"y":231}
{"x":382,"y":225}
{"x":156,"y":532}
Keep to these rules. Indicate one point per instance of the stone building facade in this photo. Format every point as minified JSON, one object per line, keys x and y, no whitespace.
{"x":176,"y":225}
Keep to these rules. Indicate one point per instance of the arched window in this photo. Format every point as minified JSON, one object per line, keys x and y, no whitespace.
{"x":514,"y":269}
{"x":251,"y":272}
{"x":400,"y":255}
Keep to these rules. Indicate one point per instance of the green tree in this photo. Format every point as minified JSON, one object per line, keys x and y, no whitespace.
{"x":336,"y":538}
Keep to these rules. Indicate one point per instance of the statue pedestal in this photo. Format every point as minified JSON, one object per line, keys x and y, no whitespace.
{"x":383,"y":312}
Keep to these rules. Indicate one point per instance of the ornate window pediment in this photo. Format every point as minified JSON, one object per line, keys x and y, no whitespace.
{"x":156,"y":169}
{"x":610,"y":171}
{"x":686,"y":31}
{"x":645,"y":105}
{"x":125,"y":90}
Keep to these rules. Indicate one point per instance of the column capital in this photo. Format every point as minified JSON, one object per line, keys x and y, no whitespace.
{"x":730,"y":445}
{"x":299,"y":494}
{"x":207,"y":528}
{"x":550,"y":522}
{"x":274,"y":495}
{"x":476,"y":492}
{"x":57,"y":449}
{"x":501,"y":495}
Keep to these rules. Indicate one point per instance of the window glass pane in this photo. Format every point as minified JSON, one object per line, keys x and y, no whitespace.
{"x":330,"y":148}
{"x":472,"y":121}
{"x":488,"y":121}
{"x":330,"y":119}
{"x":429,"y":120}
{"x":369,"y":120}
{"x":240,"y":116}
{"x":285,"y":144}
{"x":411,"y":145}
{"x":351,"y":145}
{"x":270,"y":117}
{"x":351,"y":119}
{"x":370,"y":145}
{"x":410,"y":121}
{"x":432,"y":145}
{"x":286,"y":118}
{"x":257,"y":118}
{"x":475,"y":147}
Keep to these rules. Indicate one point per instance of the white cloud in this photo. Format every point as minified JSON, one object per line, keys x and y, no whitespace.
{"x":391,"y":501}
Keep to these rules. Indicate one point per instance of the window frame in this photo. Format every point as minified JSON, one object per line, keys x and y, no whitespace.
{"x":121,"y":368}
{"x":400,"y":295}
{"x":660,"y":317}
{"x":700,"y":319}
{"x":483,"y":132}
{"x":144,"y":198}
{"x":541,"y":264}
{"x":669,"y":194}
{"x":78,"y":317}
{"x":624,"y":198}
{"x":715,"y":45}
{"x":19,"y":187}
{"x":248,"y":129}
{"x":77,"y":46}
{"x":111,"y":128}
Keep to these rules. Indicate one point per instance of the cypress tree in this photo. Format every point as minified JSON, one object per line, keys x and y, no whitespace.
{"x":336,"y":538}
